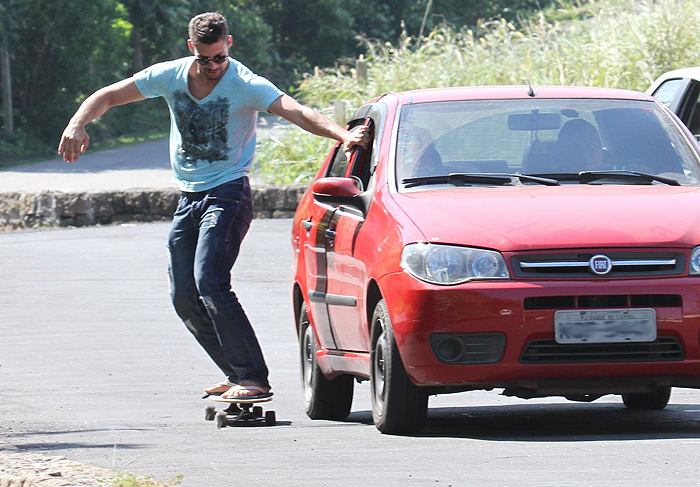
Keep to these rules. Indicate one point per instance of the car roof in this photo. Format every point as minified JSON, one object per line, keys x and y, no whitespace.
{"x":515,"y":92}
{"x":689,"y":72}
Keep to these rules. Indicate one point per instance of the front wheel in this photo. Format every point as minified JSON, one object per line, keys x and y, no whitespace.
{"x":323,"y":398}
{"x":398,"y":405}
{"x":657,"y":399}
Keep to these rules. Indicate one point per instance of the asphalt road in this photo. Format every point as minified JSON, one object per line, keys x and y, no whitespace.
{"x":94,"y":365}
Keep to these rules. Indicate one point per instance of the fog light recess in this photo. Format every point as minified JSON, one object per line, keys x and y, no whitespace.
{"x":468,"y":348}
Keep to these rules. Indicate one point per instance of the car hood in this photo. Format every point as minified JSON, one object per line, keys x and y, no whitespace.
{"x":557,"y":217}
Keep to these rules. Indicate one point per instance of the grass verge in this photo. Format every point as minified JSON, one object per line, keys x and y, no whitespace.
{"x":127,"y":479}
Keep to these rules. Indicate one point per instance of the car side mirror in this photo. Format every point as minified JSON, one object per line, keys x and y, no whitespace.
{"x":339,"y":191}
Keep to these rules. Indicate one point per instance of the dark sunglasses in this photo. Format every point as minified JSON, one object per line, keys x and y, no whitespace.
{"x":217,"y":59}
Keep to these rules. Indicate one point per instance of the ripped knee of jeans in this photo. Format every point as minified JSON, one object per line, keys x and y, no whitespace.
{"x":210,"y":219}
{"x":209,"y":303}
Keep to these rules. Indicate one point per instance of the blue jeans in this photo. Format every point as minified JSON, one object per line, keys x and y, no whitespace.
{"x":207,"y":231}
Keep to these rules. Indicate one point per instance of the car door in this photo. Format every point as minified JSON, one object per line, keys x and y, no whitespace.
{"x":347,"y":273}
{"x":320,"y":222}
{"x":315,"y":221}
{"x":682,"y":96}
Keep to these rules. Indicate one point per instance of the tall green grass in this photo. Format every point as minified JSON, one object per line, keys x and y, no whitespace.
{"x":292,"y":158}
{"x":608,"y":43}
{"x":611,"y":43}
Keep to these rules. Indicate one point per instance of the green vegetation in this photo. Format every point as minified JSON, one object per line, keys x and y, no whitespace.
{"x":126,"y":479}
{"x":293,"y":159}
{"x":61,"y":51}
{"x":612,"y":43}
{"x":609,"y":43}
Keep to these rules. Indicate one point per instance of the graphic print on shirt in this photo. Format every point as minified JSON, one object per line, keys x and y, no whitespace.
{"x":203,"y":129}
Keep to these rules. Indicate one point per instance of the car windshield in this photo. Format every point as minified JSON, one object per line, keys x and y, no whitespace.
{"x":573,"y":141}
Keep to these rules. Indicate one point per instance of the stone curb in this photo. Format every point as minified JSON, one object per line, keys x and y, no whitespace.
{"x":41,"y":209}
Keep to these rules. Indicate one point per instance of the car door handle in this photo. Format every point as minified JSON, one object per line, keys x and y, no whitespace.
{"x":330,"y":233}
{"x":307,"y":224}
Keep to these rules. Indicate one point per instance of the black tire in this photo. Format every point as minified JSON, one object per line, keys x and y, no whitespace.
{"x":221,"y":420}
{"x":656,"y":400}
{"x":398,"y":405}
{"x":323,"y":398}
{"x":270,"y":418}
{"x":257,"y":411}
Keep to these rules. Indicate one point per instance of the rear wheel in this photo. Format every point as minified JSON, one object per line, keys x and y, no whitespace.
{"x":398,"y":405}
{"x":648,"y":400}
{"x":323,"y":398}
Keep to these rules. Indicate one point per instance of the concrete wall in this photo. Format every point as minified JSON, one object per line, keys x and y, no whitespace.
{"x":59,"y":209}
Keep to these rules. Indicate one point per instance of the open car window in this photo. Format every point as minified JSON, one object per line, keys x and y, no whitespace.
{"x":359,"y":165}
{"x":543,"y":137}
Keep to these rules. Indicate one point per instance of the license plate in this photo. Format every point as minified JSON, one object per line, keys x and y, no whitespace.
{"x":605,"y":325}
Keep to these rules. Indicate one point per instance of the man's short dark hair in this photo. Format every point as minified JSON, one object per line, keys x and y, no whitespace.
{"x":207,"y":28}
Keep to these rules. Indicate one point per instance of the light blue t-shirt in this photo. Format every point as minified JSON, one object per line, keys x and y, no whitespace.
{"x":212,"y":140}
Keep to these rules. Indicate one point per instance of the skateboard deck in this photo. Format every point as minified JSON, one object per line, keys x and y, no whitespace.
{"x":240,"y":400}
{"x":240,"y":412}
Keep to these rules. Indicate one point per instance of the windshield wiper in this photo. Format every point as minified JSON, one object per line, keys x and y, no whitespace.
{"x":587,"y":176}
{"x":459,"y":179}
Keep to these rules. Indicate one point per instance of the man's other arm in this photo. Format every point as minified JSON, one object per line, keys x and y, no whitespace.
{"x":75,"y":139}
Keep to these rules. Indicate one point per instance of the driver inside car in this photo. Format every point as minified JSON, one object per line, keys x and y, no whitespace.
{"x":579,"y":148}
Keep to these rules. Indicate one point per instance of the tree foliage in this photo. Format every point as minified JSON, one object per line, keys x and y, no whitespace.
{"x":152,"y":35}
{"x":63,"y":50}
{"x":59,"y":50}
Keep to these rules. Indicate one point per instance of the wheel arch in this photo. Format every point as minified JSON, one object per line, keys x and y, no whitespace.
{"x":297,"y":300}
{"x":374,"y":295}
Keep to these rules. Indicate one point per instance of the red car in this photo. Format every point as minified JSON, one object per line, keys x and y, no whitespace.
{"x":539,"y":240}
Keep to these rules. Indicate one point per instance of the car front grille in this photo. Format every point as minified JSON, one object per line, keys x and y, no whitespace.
{"x":582,"y":265}
{"x":550,"y":352}
{"x":604,"y":301}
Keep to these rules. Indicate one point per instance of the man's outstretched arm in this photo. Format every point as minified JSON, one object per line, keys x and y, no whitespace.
{"x":75,"y":139}
{"x":310,"y":120}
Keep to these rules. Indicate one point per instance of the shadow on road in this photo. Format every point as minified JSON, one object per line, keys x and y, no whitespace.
{"x":49,"y":446}
{"x":556,"y":423}
{"x":561,"y":422}
{"x":64,"y":446}
{"x":76,"y":431}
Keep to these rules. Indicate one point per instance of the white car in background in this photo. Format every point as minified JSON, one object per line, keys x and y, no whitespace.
{"x":679,"y":90}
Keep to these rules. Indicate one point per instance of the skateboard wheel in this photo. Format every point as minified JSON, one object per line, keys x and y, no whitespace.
{"x":222,"y":420}
{"x":210,"y":413}
{"x":270,"y":419}
{"x":257,"y":411}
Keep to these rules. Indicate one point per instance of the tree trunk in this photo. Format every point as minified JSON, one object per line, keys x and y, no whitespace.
{"x":6,"y":82}
{"x":422,"y":25}
{"x":136,"y":44}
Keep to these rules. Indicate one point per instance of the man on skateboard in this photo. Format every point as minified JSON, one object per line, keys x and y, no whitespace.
{"x":213,"y":101}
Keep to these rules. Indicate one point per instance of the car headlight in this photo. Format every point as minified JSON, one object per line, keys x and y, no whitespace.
{"x":694,"y":269}
{"x":451,"y":264}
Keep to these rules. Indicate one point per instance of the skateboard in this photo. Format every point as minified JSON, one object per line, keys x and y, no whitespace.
{"x":240,"y":412}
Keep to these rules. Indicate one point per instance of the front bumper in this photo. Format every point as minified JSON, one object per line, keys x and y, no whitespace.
{"x":419,"y":310}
